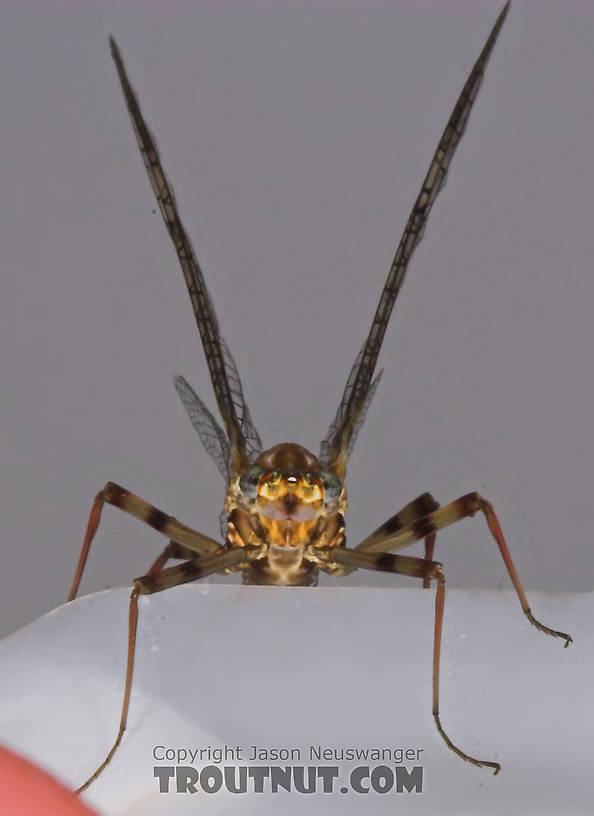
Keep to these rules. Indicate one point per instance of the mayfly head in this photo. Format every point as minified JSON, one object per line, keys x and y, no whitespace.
{"x":287,"y":484}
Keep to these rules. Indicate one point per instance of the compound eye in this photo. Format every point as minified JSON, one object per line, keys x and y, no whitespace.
{"x":332,"y":486}
{"x":249,"y":481}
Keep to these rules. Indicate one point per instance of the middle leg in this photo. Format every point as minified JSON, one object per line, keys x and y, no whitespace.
{"x":172,"y":550}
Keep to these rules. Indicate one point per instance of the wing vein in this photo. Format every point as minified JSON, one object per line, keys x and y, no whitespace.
{"x":338,"y":441}
{"x":199,"y":297}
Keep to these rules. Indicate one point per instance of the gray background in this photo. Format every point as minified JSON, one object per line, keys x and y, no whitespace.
{"x":296,"y":135}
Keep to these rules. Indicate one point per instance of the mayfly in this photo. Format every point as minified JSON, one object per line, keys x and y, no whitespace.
{"x":283,"y":518}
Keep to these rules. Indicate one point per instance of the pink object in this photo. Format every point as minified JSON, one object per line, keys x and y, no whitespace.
{"x":26,"y":790}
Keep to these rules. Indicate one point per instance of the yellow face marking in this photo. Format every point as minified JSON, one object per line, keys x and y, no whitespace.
{"x":282,"y":496}
{"x":287,"y":508}
{"x":303,"y":487}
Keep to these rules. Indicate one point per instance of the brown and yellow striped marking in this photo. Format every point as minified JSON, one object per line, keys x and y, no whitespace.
{"x":427,"y":525}
{"x":416,"y":509}
{"x":155,"y":518}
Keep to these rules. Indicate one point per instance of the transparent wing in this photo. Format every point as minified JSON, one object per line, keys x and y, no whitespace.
{"x":210,"y":432}
{"x":253,"y":445}
{"x":225,"y":391}
{"x":223,"y":524}
{"x":335,"y":425}
{"x":337,"y":444}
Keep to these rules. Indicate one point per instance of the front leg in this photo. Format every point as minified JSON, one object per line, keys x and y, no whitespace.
{"x":225,"y":560}
{"x":155,"y":518}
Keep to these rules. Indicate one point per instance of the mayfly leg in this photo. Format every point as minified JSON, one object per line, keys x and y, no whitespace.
{"x":154,"y":581}
{"x":169,"y":526}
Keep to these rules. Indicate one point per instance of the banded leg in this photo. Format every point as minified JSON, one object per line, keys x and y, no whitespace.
{"x":428,"y":571}
{"x":463,"y":507}
{"x":155,"y":518}
{"x":414,"y":510}
{"x":156,"y":581}
{"x":172,"y":550}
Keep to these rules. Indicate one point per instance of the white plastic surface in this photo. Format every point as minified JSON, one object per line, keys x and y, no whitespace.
{"x":300,"y":667}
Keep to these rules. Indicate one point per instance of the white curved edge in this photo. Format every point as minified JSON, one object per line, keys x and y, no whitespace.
{"x":300,"y":668}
